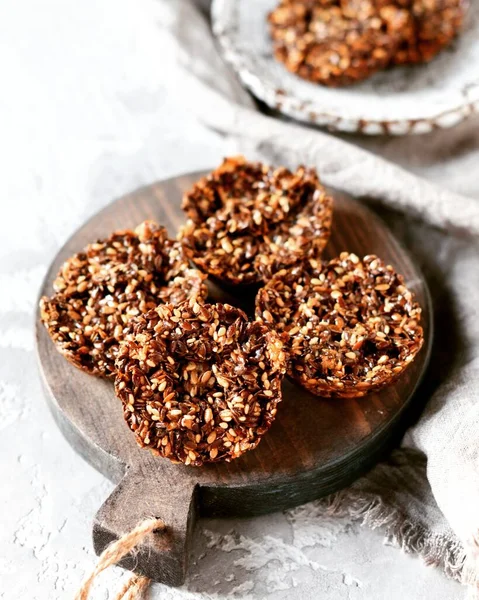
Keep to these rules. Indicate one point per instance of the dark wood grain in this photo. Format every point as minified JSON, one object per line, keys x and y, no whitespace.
{"x":315,"y":446}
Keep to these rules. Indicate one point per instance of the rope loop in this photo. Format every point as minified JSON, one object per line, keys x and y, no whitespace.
{"x":114,"y":552}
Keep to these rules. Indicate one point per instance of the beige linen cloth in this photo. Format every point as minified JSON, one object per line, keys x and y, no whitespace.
{"x":426,"y":496}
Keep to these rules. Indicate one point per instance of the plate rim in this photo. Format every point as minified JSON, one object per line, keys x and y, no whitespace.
{"x":311,"y":112}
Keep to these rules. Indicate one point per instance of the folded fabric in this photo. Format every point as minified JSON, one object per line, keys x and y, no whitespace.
{"x":426,"y":495}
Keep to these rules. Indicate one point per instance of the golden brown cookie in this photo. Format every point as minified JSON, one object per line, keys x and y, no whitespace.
{"x":199,"y":383}
{"x":247,"y":220}
{"x":340,"y":42}
{"x":353,"y":325}
{"x":100,"y":289}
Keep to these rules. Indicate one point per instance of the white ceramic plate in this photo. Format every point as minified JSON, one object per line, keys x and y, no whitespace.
{"x":398,"y":101}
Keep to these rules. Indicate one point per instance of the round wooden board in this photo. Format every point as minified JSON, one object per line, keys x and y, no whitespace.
{"x":315,"y":446}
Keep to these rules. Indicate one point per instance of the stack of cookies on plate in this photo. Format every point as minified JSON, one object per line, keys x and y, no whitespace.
{"x":340,"y":42}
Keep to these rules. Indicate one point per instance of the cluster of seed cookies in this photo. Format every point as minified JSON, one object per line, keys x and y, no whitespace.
{"x":340,"y":42}
{"x":201,"y":382}
{"x":247,"y":220}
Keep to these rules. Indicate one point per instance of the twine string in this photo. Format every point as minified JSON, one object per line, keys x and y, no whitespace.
{"x":134,"y":588}
{"x":117,"y":550}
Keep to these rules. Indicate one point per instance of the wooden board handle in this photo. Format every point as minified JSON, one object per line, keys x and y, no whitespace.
{"x":163,"y":555}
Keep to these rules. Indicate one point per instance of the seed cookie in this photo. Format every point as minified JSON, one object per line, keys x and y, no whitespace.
{"x":246,"y":220}
{"x":199,"y":383}
{"x":100,"y":289}
{"x":340,"y":42}
{"x":353,"y":325}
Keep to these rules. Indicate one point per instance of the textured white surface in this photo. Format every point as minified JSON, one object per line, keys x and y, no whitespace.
{"x":88,"y":111}
{"x":399,"y":101}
